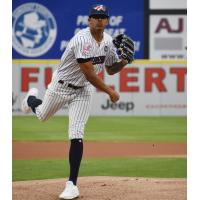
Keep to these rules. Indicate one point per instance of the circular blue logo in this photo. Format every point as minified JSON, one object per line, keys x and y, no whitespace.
{"x":34,"y":29}
{"x":106,"y":48}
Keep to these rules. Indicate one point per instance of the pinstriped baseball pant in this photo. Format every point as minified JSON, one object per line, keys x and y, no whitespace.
{"x":78,"y":101}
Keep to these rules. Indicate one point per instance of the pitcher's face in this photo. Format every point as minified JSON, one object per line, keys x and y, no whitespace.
{"x":98,"y":22}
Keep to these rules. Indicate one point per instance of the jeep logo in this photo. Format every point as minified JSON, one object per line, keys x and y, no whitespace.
{"x":127,"y":106}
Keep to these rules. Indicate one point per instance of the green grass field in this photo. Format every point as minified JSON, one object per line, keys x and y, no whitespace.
{"x":146,"y":129}
{"x":164,"y":129}
{"x":129,"y":167}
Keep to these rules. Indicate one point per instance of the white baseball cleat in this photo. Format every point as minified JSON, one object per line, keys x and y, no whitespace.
{"x":32,"y":92}
{"x":70,"y":191}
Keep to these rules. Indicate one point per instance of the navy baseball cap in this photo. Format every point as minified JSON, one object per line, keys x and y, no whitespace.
{"x":99,"y":9}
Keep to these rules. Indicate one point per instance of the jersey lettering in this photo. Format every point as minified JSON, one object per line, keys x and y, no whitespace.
{"x":98,"y":60}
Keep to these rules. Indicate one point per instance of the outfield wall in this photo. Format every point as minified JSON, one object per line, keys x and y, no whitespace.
{"x":147,"y":88}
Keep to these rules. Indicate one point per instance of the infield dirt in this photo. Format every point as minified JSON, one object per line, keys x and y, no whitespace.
{"x":59,"y":150}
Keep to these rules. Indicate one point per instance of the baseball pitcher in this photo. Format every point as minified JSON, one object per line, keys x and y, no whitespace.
{"x":74,"y":80}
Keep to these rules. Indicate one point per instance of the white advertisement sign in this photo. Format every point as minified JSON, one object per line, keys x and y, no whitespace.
{"x":147,"y":88}
{"x":168,"y":37}
{"x":168,"y":4}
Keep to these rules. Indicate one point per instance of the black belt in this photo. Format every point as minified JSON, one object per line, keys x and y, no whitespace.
{"x":70,"y":85}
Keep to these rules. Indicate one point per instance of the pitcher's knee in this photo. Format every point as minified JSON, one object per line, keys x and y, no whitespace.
{"x":77,"y":135}
{"x":76,"y":130}
{"x":41,"y":116}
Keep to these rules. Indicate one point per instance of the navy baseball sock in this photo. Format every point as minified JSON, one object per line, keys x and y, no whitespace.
{"x":33,"y":102}
{"x":75,"y":156}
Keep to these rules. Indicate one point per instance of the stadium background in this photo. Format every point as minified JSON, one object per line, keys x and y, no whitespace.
{"x":153,"y":89}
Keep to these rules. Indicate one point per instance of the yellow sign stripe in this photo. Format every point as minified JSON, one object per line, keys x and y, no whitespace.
{"x":35,"y":61}
{"x":147,"y":61}
{"x":137,"y":62}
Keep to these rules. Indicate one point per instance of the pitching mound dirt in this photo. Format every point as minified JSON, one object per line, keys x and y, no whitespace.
{"x":104,"y":188}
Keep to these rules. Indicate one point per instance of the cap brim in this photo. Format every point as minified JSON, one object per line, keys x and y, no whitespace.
{"x":99,"y":15}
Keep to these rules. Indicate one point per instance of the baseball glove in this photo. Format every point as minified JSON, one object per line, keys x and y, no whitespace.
{"x":125,"y":47}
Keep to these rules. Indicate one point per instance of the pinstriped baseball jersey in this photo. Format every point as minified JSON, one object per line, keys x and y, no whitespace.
{"x":84,"y":46}
{"x":81,"y":46}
